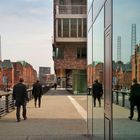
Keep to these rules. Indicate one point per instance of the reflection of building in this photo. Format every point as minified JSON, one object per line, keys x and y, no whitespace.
{"x":90,"y":73}
{"x":95,"y":71}
{"x":70,"y":43}
{"x":99,"y":72}
{"x":133,"y":38}
{"x":135,"y":62}
{"x":122,"y":75}
{"x":1,"y":83}
{"x":43,"y":71}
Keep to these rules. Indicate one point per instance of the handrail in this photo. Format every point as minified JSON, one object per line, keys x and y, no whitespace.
{"x":121,"y":98}
{"x":7,"y":102}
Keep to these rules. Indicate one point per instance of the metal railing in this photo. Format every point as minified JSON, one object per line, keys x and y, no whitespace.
{"x":71,"y":9}
{"x":7,"y":103}
{"x":121,"y":98}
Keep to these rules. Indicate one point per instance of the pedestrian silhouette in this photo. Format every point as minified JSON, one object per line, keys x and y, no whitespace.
{"x":97,"y":92}
{"x":21,"y":97}
{"x":134,"y":99}
{"x":37,"y":93}
{"x":55,"y":86}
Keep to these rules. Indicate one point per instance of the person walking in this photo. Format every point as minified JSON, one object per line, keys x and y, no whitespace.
{"x":97,"y":92}
{"x":55,"y":86}
{"x":21,"y":97}
{"x":134,"y":99}
{"x":37,"y":93}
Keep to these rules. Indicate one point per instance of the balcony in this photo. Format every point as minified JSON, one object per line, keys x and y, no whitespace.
{"x":73,"y":10}
{"x":71,"y":39}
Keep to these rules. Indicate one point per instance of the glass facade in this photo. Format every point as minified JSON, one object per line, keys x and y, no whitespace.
{"x":76,"y":27}
{"x":95,"y":62}
{"x":65,"y":27}
{"x":58,"y":53}
{"x":81,"y":53}
{"x":113,"y":58}
{"x":126,"y":36}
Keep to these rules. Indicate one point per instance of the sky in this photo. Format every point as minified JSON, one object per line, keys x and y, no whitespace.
{"x":26,"y":29}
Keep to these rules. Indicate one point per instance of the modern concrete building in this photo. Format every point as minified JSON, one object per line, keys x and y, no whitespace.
{"x":70,"y":44}
{"x":43,"y":72}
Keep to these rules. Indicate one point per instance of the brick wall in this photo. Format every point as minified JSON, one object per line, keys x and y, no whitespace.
{"x":70,"y":60}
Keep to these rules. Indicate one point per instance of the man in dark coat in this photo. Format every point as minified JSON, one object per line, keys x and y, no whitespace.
{"x":134,"y":99}
{"x":37,"y":93}
{"x":21,"y":97}
{"x":97,"y":92}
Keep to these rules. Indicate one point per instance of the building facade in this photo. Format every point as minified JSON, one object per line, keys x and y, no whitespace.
{"x":70,"y":44}
{"x":11,"y":72}
{"x":43,"y":72}
{"x":135,"y":62}
{"x":25,"y":70}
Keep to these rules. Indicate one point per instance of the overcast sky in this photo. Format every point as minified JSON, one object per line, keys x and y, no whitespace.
{"x":26,"y":29}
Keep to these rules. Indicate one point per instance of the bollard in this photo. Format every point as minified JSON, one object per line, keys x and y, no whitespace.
{"x":117,"y":97}
{"x":7,"y":103}
{"x":123,"y":99}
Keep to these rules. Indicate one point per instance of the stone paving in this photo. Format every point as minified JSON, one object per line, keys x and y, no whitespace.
{"x":58,"y":119}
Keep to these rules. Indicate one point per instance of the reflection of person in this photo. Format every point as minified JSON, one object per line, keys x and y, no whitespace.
{"x":55,"y":86}
{"x":37,"y":93}
{"x":97,"y":92}
{"x":134,"y":99}
{"x":21,"y":97}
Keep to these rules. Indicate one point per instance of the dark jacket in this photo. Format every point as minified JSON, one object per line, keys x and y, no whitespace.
{"x":37,"y":90}
{"x":97,"y":89}
{"x":20,"y":94}
{"x":135,"y":91}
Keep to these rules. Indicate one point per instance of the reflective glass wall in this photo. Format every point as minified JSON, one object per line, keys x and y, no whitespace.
{"x":95,"y":68}
{"x":126,"y":66}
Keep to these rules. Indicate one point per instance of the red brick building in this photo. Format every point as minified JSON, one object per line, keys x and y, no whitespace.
{"x":122,"y":74}
{"x":25,"y":70}
{"x":135,"y":62}
{"x":10,"y":72}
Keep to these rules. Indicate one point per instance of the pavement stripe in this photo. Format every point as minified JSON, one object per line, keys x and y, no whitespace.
{"x":79,"y":108}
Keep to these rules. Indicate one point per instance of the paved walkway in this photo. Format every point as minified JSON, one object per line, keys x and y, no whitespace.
{"x":64,"y":118}
{"x":56,"y":119}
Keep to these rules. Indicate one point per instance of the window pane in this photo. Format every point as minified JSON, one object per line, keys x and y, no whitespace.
{"x":59,"y":53}
{"x":81,"y":53}
{"x":84,"y":27}
{"x":126,"y":37}
{"x":73,"y":27}
{"x":79,"y":27}
{"x":59,"y":27}
{"x":65,"y":27}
